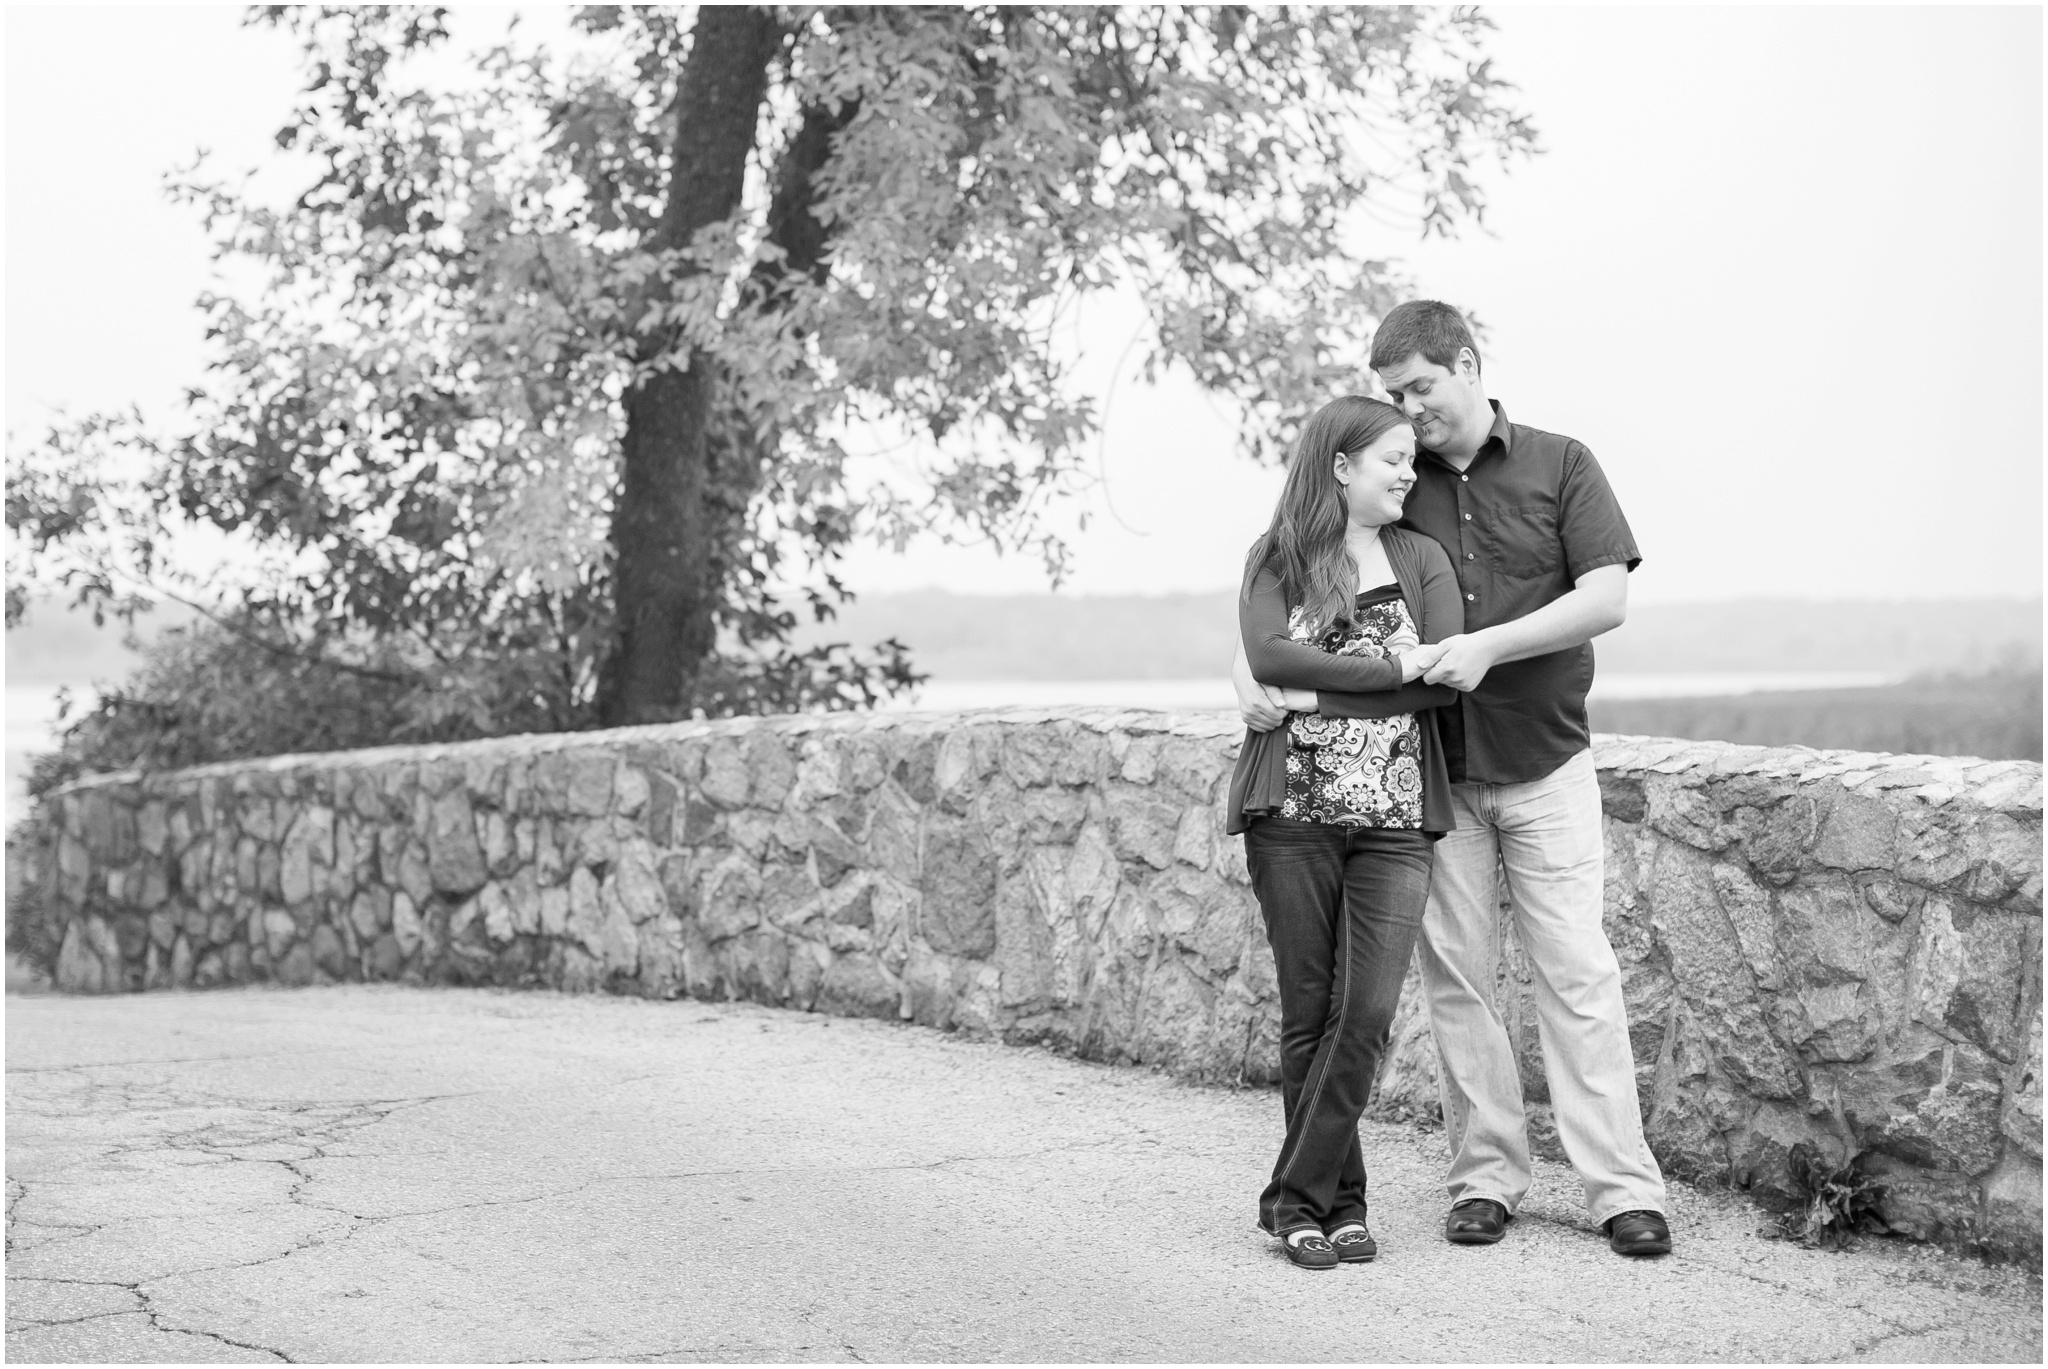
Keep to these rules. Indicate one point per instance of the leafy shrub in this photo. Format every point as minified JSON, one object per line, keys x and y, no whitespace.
{"x":215,"y":691}
{"x":1838,"y":1200}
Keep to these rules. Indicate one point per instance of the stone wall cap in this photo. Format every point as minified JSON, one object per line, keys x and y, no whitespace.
{"x":2009,"y":786}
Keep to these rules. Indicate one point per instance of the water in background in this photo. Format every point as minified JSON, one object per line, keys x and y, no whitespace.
{"x":1216,"y":693}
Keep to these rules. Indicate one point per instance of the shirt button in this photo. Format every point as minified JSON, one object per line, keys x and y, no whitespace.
{"x":1470,"y":597}
{"x":1464,"y":477}
{"x":1468,"y":556}
{"x":1468,"y":518}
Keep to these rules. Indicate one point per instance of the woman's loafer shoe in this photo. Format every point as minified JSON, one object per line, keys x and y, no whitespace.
{"x":1354,"y":1244}
{"x":1312,"y":1252}
{"x":1638,"y":1233}
{"x":1476,"y":1221}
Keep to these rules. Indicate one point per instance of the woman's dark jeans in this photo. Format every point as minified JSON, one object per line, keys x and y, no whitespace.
{"x":1342,"y":907}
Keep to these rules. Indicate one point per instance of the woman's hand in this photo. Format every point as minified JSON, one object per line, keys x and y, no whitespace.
{"x":1418,"y":660}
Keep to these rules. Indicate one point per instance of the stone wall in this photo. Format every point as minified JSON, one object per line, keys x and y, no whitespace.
{"x":1822,"y":947}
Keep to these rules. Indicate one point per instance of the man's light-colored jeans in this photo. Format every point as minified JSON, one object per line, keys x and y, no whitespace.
{"x":1545,"y":835}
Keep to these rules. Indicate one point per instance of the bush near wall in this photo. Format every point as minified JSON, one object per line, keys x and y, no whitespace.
{"x":1840,"y":950}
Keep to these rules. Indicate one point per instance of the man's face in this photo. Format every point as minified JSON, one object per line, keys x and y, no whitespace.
{"x":1439,"y":400}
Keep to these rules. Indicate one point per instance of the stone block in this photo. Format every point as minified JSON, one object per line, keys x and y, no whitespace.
{"x":554,"y":911}
{"x":455,"y":859}
{"x":297,"y":969}
{"x":182,"y":963}
{"x":1194,"y":837}
{"x":2020,"y":1119}
{"x":857,"y":986}
{"x":789,"y":897}
{"x":523,"y":896}
{"x":328,"y":953}
{"x":726,"y":781}
{"x":662,"y":801}
{"x":279,"y":930}
{"x":2011,"y":1220}
{"x":1971,"y":971}
{"x":370,"y":913}
{"x":629,"y":791}
{"x":774,"y":769}
{"x":78,"y":964}
{"x":385,"y":960}
{"x":729,"y":901}
{"x":637,"y":879}
{"x":1926,"y":1100}
{"x":152,"y":830}
{"x":2004,"y":855}
{"x":957,"y":889}
{"x":1142,"y":828}
{"x":573,"y":783}
{"x":406,"y":924}
{"x":500,"y":844}
{"x":495,"y":907}
{"x":414,"y":877}
{"x":1778,"y":848}
{"x":1928,"y":1205}
{"x":1023,"y":950}
{"x":1857,"y":833}
{"x":586,"y":909}
{"x":618,"y":941}
{"x":1207,"y":920}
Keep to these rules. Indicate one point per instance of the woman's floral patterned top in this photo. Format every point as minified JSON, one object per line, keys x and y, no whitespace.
{"x":1357,"y":772}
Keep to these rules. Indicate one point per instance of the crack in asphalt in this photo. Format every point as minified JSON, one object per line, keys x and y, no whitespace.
{"x":1862,"y":1348}
{"x":313,"y":1127}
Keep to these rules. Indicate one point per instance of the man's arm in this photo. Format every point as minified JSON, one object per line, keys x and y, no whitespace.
{"x":1264,"y":707}
{"x":1596,"y":603}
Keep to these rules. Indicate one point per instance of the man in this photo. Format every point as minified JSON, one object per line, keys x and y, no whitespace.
{"x":1542,"y":554}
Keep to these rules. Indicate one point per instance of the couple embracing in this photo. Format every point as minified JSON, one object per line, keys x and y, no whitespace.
{"x":1413,"y":667}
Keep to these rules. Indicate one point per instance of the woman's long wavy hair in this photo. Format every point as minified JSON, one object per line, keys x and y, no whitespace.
{"x":1305,"y":543}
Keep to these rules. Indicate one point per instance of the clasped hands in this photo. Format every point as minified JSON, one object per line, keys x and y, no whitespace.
{"x":1460,"y":662}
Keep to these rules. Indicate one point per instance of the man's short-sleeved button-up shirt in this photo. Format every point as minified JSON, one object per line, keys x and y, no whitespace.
{"x":1522,"y":523}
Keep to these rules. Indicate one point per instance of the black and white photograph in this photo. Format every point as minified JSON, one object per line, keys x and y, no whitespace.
{"x":1201,"y":684}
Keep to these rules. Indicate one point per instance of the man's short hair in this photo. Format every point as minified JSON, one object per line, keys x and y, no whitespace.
{"x":1425,"y":327}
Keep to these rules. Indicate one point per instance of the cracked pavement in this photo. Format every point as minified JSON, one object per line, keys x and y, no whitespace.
{"x":374,"y":1174}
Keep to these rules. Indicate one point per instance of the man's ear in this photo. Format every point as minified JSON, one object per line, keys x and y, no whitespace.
{"x":1468,"y":362}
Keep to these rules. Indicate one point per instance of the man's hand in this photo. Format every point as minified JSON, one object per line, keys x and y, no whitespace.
{"x":1263,"y":708}
{"x":1463,"y":662}
{"x":1416,"y":660}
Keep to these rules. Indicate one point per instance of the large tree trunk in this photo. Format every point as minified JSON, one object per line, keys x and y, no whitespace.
{"x":665,"y":579}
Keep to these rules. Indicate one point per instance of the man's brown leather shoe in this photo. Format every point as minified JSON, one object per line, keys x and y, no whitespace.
{"x":1476,"y":1221}
{"x":1638,"y":1233}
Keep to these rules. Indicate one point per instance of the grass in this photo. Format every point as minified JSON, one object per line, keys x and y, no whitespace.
{"x":1995,"y":715}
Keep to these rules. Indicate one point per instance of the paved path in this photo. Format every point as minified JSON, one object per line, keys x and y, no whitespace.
{"x":380,"y":1174}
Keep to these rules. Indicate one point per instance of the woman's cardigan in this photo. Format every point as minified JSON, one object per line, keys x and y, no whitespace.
{"x":1347,"y":686}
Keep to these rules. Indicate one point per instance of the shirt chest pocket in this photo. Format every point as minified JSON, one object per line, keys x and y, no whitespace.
{"x":1524,"y":541}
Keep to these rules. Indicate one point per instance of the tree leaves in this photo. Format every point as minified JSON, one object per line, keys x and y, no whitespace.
{"x":419,"y":417}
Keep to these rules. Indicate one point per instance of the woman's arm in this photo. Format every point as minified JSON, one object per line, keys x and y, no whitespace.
{"x":1443,"y":615}
{"x":1277,"y":659}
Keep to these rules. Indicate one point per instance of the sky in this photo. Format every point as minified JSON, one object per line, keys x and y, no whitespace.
{"x":1779,"y":268}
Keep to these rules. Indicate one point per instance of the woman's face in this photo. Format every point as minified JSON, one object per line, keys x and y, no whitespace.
{"x":1376,"y":480}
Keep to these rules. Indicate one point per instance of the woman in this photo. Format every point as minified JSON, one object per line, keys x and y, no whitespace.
{"x":1339,"y":807}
